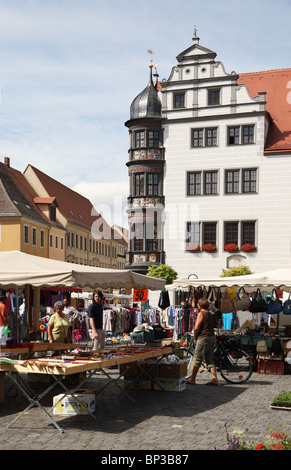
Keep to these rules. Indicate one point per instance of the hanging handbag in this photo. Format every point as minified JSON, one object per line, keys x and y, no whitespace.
{"x":274,"y":305}
{"x":242,"y":300}
{"x":258,"y":304}
{"x":212,"y":299}
{"x":226,"y":304}
{"x":287,"y":306}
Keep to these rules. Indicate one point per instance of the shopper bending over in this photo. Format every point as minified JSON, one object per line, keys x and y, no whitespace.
{"x":205,"y":342}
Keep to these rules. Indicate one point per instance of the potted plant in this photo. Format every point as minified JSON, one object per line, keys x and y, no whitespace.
{"x":193,"y":247}
{"x":231,"y":247}
{"x":283,"y":400}
{"x":210,"y":247}
{"x":247,"y":247}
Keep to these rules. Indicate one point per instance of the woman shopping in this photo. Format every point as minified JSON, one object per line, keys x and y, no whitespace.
{"x":59,"y":325}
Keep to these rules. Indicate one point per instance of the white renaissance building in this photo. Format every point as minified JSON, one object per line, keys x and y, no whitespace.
{"x":224,"y":171}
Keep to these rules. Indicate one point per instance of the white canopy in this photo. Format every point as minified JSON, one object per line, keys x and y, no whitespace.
{"x":18,"y":269}
{"x":279,"y":278}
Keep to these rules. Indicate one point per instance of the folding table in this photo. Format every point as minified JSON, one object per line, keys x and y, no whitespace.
{"x":57,"y":368}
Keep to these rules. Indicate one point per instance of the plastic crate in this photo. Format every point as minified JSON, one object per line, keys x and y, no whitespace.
{"x":270,"y":367}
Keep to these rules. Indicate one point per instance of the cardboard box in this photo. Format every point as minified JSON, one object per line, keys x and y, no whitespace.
{"x":131,"y":383}
{"x":170,"y":385}
{"x":70,"y":406}
{"x":173,"y":371}
{"x":134,"y":371}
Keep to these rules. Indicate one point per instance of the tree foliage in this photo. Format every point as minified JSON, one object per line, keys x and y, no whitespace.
{"x":236,"y":271}
{"x":164,"y":271}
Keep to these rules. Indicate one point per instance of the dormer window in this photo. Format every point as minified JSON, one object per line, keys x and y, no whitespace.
{"x":53,"y":213}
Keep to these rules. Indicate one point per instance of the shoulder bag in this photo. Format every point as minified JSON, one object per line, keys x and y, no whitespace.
{"x":226,"y":304}
{"x":242,"y":300}
{"x":287,"y":306}
{"x":258,"y":304}
{"x":274,"y":305}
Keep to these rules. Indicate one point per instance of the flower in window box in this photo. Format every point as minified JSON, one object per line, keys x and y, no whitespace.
{"x":210,"y":247}
{"x":231,"y":247}
{"x":247,"y":247}
{"x":193,"y":247}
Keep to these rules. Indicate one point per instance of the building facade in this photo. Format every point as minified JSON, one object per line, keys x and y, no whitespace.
{"x":227,"y":161}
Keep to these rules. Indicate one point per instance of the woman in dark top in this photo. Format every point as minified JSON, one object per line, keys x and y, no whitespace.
{"x":95,"y":313}
{"x":205,"y":342}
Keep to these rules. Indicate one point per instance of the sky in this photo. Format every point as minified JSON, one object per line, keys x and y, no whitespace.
{"x":69,"y":70}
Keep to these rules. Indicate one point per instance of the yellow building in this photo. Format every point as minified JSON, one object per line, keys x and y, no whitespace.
{"x":23,"y":225}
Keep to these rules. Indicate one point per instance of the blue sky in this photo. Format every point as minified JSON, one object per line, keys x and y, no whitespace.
{"x":69,"y":70}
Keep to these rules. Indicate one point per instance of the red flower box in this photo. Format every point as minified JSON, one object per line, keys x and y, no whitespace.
{"x":231,"y":247}
{"x":193,"y":247}
{"x":209,"y":247}
{"x":247,"y":247}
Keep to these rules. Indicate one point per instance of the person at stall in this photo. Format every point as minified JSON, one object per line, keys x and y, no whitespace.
{"x":4,"y":320}
{"x":59,"y":325}
{"x":205,"y":342}
{"x":95,"y":314}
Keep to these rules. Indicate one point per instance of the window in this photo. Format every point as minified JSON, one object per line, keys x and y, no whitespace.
{"x":72,"y":240}
{"x":248,"y":135}
{"x":179,"y":100}
{"x":137,"y":230}
{"x":53,"y":213}
{"x":249,"y":181}
{"x":51,"y":241}
{"x":248,"y":233}
{"x":204,"y":137}
{"x":232,"y":181}
{"x":240,"y":135}
{"x":57,"y":242}
{"x":152,"y":184}
{"x":209,"y":233}
{"x":194,"y":184}
{"x":197,"y":138}
{"x":26,"y":234}
{"x":77,"y":241}
{"x":193,"y":233}
{"x":42,"y":239}
{"x":213,"y":97}
{"x":62,"y":243}
{"x":231,"y":233}
{"x":211,"y":137}
{"x":210,"y":182}
{"x":34,"y":236}
{"x":139,"y":139}
{"x":153,"y":139}
{"x":139,"y":184}
{"x":233,"y":135}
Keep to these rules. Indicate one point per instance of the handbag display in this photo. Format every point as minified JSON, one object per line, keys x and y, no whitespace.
{"x":226,"y":304}
{"x":242,"y":300}
{"x":287,"y":306}
{"x":274,"y":305}
{"x":258,"y":304}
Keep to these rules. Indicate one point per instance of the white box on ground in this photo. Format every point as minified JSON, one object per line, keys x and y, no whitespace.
{"x":70,"y":406}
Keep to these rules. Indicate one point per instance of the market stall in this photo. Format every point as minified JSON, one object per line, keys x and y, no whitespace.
{"x":255,"y":319}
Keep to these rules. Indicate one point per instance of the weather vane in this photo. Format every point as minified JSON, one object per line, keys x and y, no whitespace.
{"x":150,"y":51}
{"x":195,"y":31}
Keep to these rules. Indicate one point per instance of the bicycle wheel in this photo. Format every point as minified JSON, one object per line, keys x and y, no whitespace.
{"x":186,"y":355}
{"x":235,"y":366}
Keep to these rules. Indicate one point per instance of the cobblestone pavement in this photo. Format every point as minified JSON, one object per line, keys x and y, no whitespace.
{"x":193,"y":419}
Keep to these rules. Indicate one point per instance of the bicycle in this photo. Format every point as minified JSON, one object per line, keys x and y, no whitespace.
{"x":233,"y":363}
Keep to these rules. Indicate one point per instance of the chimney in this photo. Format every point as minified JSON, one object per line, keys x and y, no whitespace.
{"x":7,"y":161}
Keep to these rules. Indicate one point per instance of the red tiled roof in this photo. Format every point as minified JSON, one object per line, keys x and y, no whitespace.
{"x":277,"y":85}
{"x":73,"y":206}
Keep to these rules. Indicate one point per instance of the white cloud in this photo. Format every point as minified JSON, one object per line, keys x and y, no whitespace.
{"x":109,"y":198}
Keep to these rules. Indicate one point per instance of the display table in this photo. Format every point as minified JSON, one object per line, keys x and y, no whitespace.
{"x":28,"y":349}
{"x":58,"y":367}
